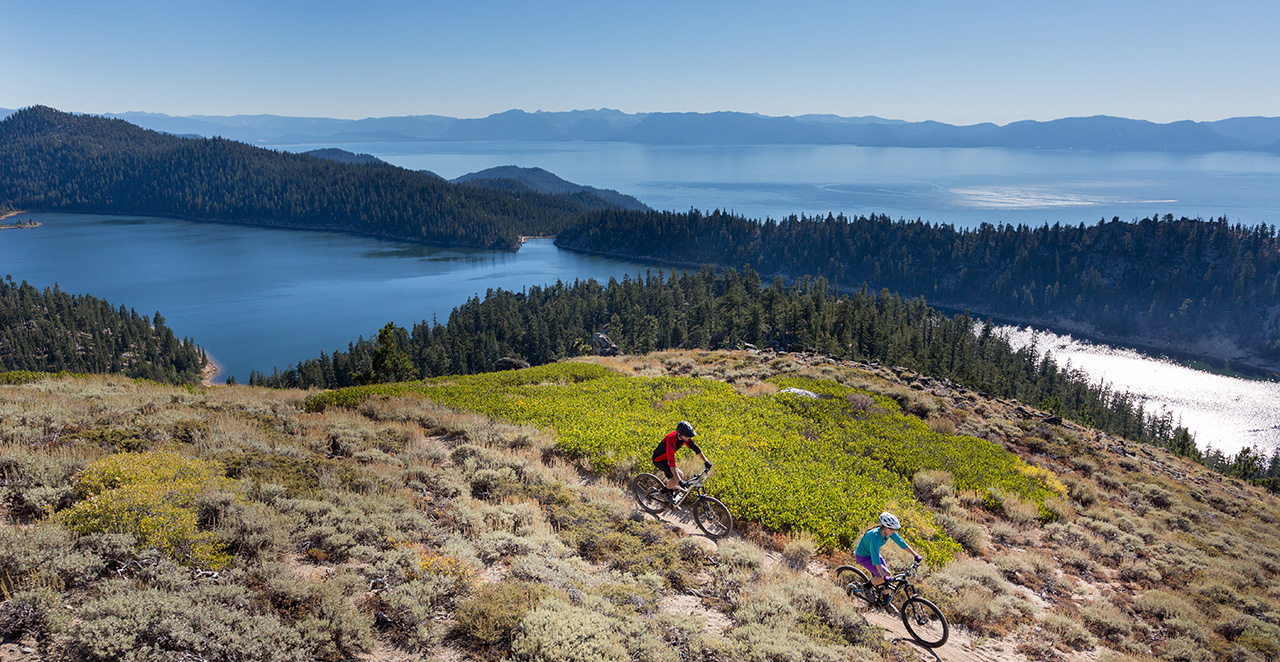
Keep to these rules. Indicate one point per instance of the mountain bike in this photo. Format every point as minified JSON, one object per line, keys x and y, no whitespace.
{"x":922,"y":618}
{"x":712,"y":516}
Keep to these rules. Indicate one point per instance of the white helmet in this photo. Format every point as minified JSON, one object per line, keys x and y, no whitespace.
{"x":887,"y":519}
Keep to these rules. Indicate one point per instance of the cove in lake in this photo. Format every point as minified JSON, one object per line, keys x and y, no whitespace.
{"x":258,"y":298}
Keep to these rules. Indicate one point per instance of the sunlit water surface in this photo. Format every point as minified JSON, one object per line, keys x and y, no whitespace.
{"x":1227,"y":413}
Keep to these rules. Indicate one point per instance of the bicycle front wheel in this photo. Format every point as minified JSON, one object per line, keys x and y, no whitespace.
{"x":646,"y":488}
{"x":854,"y":582}
{"x":712,"y":517}
{"x":925,"y":622}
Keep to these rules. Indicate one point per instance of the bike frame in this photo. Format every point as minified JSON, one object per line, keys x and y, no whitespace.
{"x":899,"y":582}
{"x":695,"y":487}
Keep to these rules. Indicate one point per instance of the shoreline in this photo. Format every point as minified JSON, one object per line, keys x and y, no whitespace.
{"x":1194,"y":352}
{"x":211,"y":371}
{"x":16,"y":226}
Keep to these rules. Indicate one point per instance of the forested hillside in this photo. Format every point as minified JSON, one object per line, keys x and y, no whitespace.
{"x":1184,"y":283}
{"x":728,"y":310}
{"x":53,"y":331}
{"x":54,"y":161}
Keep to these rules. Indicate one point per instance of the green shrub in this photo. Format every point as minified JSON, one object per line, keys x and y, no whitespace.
{"x":37,"y":484}
{"x":408,"y":611}
{"x":36,"y":613}
{"x":760,"y":642}
{"x":931,"y":485}
{"x":740,"y":554}
{"x":299,"y":476}
{"x":966,"y":532}
{"x":1185,"y":649}
{"x":212,"y":622}
{"x":974,"y":593}
{"x":321,"y":613}
{"x":558,"y":631}
{"x":798,"y":552}
{"x":49,"y":555}
{"x":803,"y":603}
{"x":1107,"y":621}
{"x":491,"y":614}
{"x":335,"y":526}
{"x":1069,"y":631}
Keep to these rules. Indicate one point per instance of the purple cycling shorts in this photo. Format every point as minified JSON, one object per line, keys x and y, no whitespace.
{"x":865,"y":561}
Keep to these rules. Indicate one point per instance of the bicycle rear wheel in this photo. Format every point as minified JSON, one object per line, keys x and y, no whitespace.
{"x":855,"y":583}
{"x":712,"y":517}
{"x":925,"y":622}
{"x":646,"y":488}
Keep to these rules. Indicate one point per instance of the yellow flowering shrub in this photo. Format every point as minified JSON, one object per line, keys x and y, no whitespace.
{"x":153,"y":497}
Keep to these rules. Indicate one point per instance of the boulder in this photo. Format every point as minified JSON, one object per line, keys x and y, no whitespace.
{"x":508,"y":363}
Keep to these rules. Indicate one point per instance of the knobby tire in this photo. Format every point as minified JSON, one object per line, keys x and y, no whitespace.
{"x":643,"y":488}
{"x":712,"y":517}
{"x":853,"y":580}
{"x":925,"y":622}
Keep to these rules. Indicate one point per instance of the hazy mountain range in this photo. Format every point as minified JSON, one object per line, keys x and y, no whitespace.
{"x":729,"y":128}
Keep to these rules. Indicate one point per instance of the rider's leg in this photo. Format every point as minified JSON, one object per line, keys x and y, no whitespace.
{"x":679,"y":477}
{"x":878,"y":579}
{"x":672,"y":474}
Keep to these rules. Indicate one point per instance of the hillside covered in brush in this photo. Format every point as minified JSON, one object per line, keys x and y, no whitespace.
{"x":486,"y":517}
{"x":55,"y":161}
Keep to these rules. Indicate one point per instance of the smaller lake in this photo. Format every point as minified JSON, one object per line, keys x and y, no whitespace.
{"x":258,"y":298}
{"x":1227,"y":413}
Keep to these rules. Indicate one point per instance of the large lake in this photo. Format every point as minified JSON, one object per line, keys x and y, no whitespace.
{"x":259,"y":298}
{"x":964,"y":187}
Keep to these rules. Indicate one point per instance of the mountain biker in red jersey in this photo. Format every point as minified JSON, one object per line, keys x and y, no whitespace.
{"x":868,"y":554}
{"x":664,"y":456}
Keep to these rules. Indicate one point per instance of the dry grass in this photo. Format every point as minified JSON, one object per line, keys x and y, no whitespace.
{"x":364,"y":495}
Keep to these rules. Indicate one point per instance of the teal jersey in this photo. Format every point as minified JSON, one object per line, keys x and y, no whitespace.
{"x":871,"y":543}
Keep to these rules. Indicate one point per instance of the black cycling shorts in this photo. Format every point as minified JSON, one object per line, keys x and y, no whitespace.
{"x":665,"y":467}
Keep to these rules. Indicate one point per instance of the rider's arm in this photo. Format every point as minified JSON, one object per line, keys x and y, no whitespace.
{"x":903,"y":544}
{"x":918,"y":555}
{"x":694,"y":447}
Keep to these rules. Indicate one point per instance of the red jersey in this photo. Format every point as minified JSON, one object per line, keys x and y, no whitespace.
{"x":666,"y":450}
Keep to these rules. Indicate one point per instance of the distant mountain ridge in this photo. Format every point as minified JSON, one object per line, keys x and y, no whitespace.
{"x":1099,"y":132}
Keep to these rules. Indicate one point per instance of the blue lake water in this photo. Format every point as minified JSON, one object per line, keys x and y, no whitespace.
{"x":259,"y":298}
{"x":963,"y":187}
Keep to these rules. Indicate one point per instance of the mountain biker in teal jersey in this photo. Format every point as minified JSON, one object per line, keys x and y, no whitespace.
{"x":664,"y":456}
{"x":867,"y":553}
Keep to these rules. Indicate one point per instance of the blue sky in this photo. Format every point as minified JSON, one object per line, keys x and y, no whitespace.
{"x":957,"y":62}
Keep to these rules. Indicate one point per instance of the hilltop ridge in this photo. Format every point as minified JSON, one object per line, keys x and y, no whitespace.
{"x":394,"y":527}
